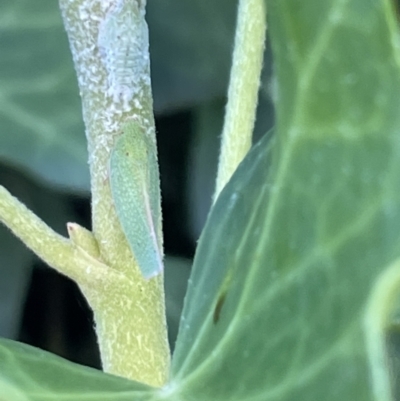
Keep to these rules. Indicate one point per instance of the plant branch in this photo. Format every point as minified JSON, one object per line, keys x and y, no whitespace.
{"x":57,"y":251}
{"x":243,"y":88}
{"x":54,"y":249}
{"x":109,"y":44}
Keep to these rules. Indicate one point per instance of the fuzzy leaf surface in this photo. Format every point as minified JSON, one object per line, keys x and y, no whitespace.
{"x":289,"y":260}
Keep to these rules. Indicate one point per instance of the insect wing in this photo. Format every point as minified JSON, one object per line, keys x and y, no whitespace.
{"x":136,"y":193}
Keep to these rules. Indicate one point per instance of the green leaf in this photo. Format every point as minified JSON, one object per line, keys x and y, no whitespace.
{"x":293,"y":249}
{"x":41,"y":126}
{"x":28,"y":373}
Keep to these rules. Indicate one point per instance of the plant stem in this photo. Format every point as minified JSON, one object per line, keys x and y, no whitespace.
{"x":382,"y":303}
{"x":129,"y":315}
{"x":54,"y":249}
{"x":243,"y":88}
{"x":110,"y":293}
{"x":65,"y":256}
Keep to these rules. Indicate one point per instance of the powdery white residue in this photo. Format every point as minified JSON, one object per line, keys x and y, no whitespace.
{"x":123,"y":44}
{"x":81,"y":20}
{"x":108,"y":36}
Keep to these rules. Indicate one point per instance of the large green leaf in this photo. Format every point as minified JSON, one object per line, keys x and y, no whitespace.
{"x":39,"y":375}
{"x":294,"y":246}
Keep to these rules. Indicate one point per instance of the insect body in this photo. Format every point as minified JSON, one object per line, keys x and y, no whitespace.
{"x":123,"y":46}
{"x":135,"y":187}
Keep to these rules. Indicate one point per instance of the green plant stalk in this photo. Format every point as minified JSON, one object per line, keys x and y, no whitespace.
{"x":78,"y":259}
{"x":130,"y":317}
{"x":62,"y":254}
{"x":378,"y":316}
{"x":243,"y":88}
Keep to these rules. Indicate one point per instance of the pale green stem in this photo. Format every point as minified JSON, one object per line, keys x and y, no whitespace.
{"x":110,"y":293}
{"x":129,"y":315}
{"x":243,"y":88}
{"x":378,"y":317}
{"x":65,"y":256}
{"x":54,"y":249}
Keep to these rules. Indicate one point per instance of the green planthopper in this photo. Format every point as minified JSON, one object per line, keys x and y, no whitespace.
{"x":135,"y":187}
